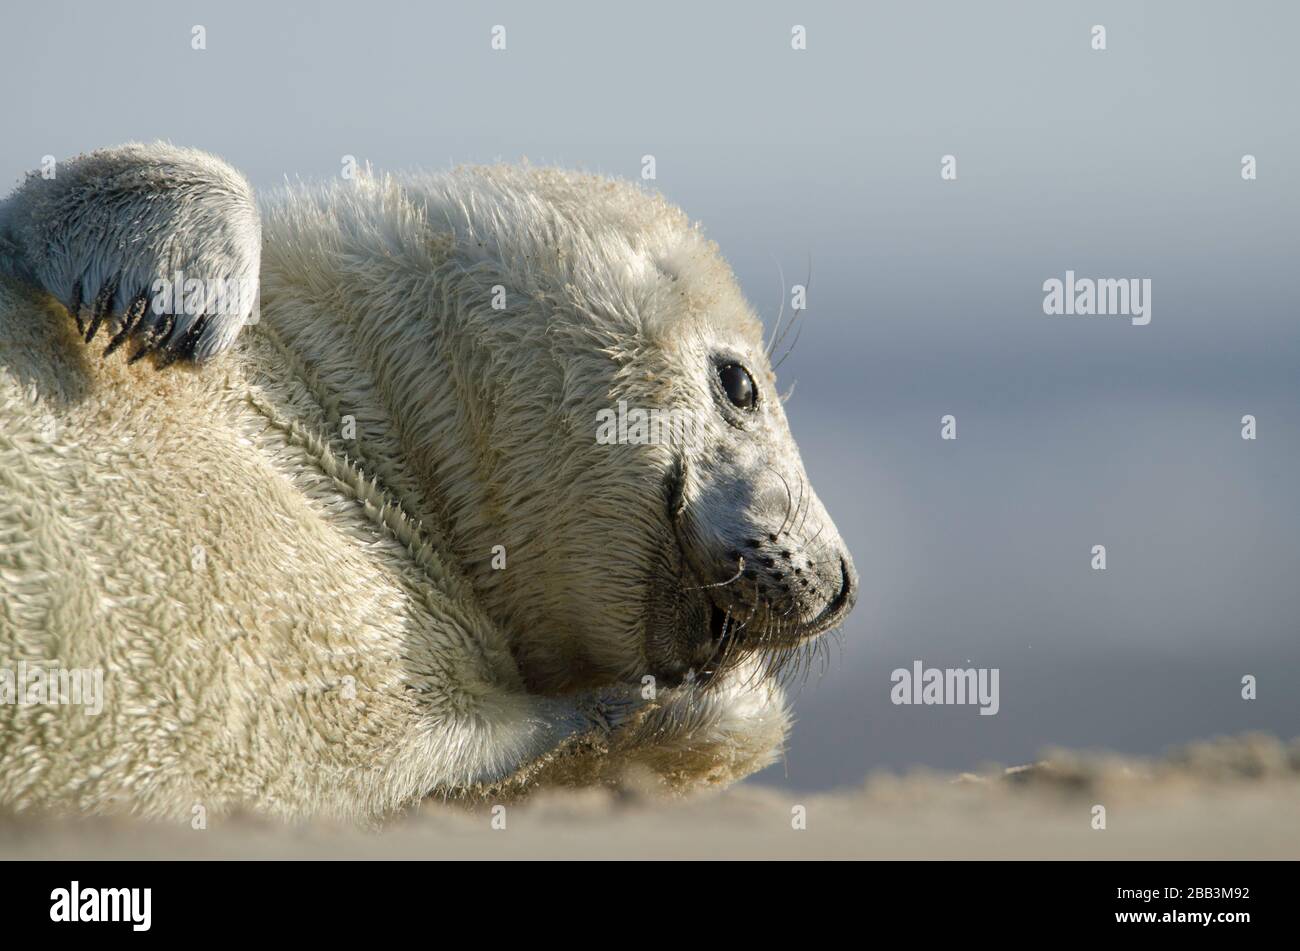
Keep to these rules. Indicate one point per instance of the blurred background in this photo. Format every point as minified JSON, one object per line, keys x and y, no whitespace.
{"x":925,"y":299}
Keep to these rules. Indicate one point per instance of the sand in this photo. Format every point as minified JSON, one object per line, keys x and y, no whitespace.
{"x":1232,"y":798}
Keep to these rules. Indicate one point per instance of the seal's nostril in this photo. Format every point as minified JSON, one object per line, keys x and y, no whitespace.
{"x":846,"y":583}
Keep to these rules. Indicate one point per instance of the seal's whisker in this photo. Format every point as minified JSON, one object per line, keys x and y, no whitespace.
{"x":806,"y":512}
{"x":789,"y":498}
{"x":794,"y":320}
{"x":781,"y":313}
{"x":813,"y":541}
{"x":740,"y":571}
{"x":777,"y":366}
{"x":802,"y":483}
{"x":814,"y":555}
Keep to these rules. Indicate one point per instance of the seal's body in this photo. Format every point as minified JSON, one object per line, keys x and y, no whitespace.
{"x":369,"y":548}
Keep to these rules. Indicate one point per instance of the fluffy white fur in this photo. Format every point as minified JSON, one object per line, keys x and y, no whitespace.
{"x":302,"y":619}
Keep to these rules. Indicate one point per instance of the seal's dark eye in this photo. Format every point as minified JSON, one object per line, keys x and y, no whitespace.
{"x":738,"y":385}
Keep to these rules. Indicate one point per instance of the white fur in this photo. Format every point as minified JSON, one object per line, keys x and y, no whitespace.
{"x":343,"y":644}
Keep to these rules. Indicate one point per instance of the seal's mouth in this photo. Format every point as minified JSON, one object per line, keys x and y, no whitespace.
{"x":729,"y":636}
{"x":724,"y":635}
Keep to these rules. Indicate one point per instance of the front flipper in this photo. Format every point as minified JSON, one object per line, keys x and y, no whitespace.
{"x":691,"y":737}
{"x":687,"y":738}
{"x":510,"y":742}
{"x":150,"y":243}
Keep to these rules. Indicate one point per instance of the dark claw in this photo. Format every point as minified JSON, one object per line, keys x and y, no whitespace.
{"x":191,"y":339}
{"x":75,"y":308}
{"x":165,"y":332}
{"x":156,"y":337}
{"x":185,"y":346}
{"x":100,"y":309}
{"x":129,"y":321}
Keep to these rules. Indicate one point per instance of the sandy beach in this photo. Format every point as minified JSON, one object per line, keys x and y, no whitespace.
{"x":1223,"y":799}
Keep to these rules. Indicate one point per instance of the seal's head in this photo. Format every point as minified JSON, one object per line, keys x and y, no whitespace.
{"x":632,"y":455}
{"x":762,"y":567}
